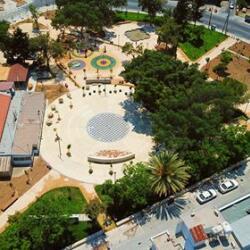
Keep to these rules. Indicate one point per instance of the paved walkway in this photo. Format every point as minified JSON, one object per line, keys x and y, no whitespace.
{"x":215,"y":51}
{"x":50,"y":181}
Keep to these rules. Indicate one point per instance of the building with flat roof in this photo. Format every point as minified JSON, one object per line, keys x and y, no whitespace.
{"x":26,"y":143}
{"x":21,"y":133}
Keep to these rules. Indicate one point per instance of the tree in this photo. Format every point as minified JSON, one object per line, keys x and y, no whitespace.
{"x":128,"y":194}
{"x":183,"y":12}
{"x":196,"y":10}
{"x":16,"y":47}
{"x":168,"y":174}
{"x":4,"y":34}
{"x":45,"y":49}
{"x":188,"y":113}
{"x":89,"y":15}
{"x":129,"y":49}
{"x":94,"y":208}
{"x":170,"y":33}
{"x":35,"y":15}
{"x":152,"y":6}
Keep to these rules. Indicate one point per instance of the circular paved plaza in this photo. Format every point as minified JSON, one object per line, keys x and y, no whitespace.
{"x":93,"y":124}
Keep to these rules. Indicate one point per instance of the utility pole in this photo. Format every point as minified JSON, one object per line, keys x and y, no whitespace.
{"x":226,"y":22}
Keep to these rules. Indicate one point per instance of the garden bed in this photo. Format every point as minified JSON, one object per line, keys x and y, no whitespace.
{"x":241,"y":48}
{"x":210,"y":39}
{"x":238,"y":69}
{"x":70,"y":201}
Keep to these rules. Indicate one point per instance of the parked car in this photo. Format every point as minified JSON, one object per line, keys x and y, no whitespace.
{"x":227,"y":186}
{"x":247,"y":19}
{"x":205,"y":196}
{"x":231,"y":6}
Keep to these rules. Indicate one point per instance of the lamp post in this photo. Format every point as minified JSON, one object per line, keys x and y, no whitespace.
{"x":58,"y":139}
{"x":211,"y":10}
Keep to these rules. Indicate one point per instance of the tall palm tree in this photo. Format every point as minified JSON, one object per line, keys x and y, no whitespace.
{"x":168,"y":173}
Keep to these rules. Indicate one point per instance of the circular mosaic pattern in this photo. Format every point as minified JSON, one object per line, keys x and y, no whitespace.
{"x":76,"y":64}
{"x":103,"y":62}
{"x":107,"y":127}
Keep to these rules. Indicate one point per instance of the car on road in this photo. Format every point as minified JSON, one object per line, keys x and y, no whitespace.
{"x":205,"y":196}
{"x":227,"y":186}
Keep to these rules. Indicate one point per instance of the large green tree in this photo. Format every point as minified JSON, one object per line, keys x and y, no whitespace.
{"x":16,"y":46}
{"x":188,"y":112}
{"x":168,"y":174}
{"x":152,"y":6}
{"x":170,"y":33}
{"x":45,"y":48}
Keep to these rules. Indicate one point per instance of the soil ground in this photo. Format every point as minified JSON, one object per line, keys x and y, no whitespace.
{"x":52,"y":92}
{"x":241,"y":48}
{"x":238,"y":69}
{"x":20,"y":185}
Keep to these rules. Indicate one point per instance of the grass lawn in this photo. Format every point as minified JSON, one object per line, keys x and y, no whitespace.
{"x":69,"y":200}
{"x":211,"y":39}
{"x":132,"y":16}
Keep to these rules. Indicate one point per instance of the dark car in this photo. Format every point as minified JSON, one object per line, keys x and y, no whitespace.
{"x":247,"y":19}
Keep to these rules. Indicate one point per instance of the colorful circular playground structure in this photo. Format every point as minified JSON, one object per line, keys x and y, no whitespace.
{"x":76,"y":64}
{"x":103,"y":62}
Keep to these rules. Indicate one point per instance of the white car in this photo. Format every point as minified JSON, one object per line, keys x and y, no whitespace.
{"x":227,"y":186}
{"x":231,"y":6}
{"x":205,"y":196}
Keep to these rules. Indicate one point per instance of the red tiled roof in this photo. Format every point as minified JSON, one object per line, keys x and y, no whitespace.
{"x":198,"y":233}
{"x":4,"y":108}
{"x":17,"y":73}
{"x":6,"y":86}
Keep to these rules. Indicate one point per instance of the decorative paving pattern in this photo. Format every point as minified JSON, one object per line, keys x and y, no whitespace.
{"x":103,"y":62}
{"x":107,"y":127}
{"x":76,"y":64}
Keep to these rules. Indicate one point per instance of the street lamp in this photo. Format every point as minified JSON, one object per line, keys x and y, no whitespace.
{"x":211,"y":10}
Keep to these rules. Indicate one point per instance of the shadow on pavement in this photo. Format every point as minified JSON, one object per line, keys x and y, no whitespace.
{"x":138,"y":118}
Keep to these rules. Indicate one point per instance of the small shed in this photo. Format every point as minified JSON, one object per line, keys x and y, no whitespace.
{"x":18,"y":74}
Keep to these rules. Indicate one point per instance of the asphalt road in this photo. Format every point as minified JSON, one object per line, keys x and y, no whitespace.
{"x":236,"y":25}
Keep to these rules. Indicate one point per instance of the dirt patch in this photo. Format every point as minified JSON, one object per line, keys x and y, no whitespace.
{"x":52,"y":92}
{"x":238,"y":69}
{"x":241,"y":48}
{"x":20,"y":185}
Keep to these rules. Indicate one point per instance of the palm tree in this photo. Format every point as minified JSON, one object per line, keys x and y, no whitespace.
{"x":168,"y":173}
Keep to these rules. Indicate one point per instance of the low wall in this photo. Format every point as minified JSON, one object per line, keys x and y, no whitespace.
{"x":105,"y":160}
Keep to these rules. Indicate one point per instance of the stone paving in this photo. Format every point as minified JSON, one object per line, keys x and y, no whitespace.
{"x":76,"y":113}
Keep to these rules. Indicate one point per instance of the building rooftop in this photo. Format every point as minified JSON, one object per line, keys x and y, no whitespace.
{"x":29,"y":124}
{"x":5,"y":86}
{"x":4,"y":109}
{"x":241,"y":231}
{"x":10,"y":124}
{"x":17,"y":73}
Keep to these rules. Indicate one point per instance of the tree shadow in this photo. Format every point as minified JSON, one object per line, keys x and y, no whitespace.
{"x":96,"y":240}
{"x":109,"y":35}
{"x":137,"y":117}
{"x":147,"y":27}
{"x":167,"y":211}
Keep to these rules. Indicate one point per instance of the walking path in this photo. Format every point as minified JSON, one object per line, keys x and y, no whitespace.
{"x":215,"y":51}
{"x":50,"y":181}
